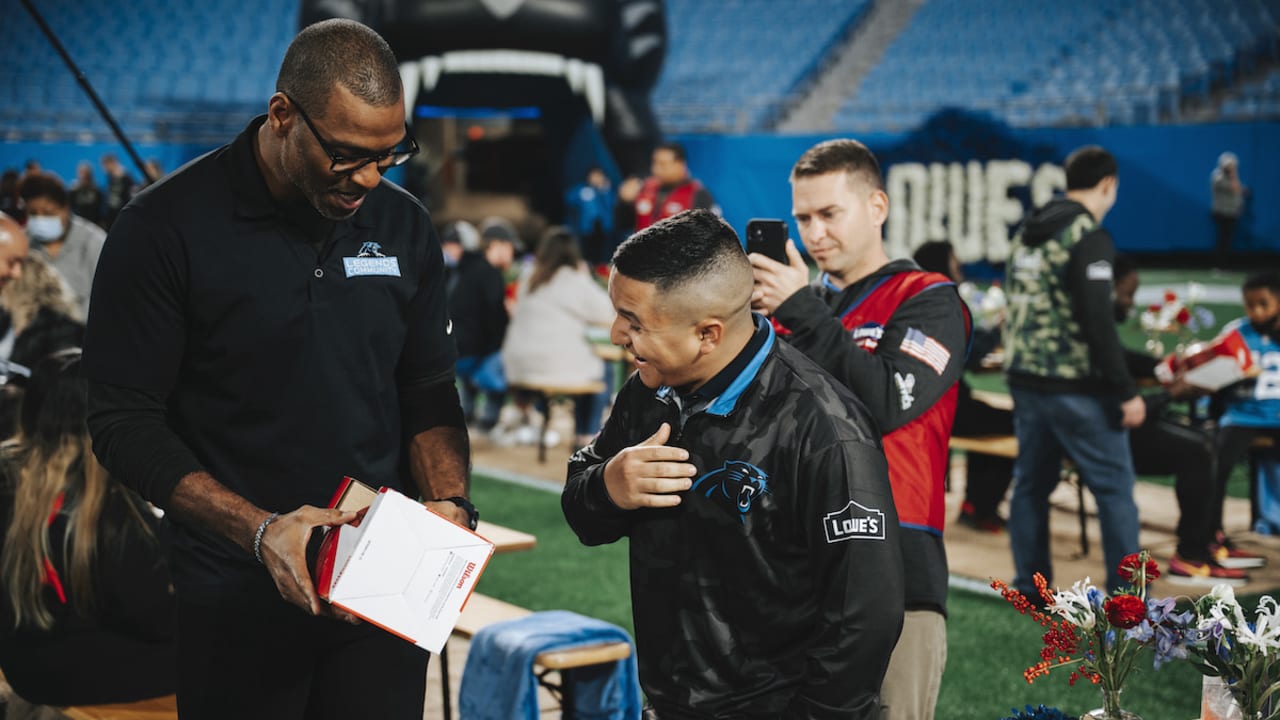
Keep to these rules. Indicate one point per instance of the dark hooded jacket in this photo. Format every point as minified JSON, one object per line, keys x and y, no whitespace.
{"x":775,"y":588}
{"x":1060,"y":335}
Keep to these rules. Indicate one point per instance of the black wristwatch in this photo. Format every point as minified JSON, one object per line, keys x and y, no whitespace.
{"x":465,"y":504}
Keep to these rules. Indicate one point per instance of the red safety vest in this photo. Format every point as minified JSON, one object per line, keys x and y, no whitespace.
{"x":918,"y":451}
{"x":650,"y":209}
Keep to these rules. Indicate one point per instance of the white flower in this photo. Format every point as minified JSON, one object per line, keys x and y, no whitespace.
{"x":1149,"y":321}
{"x":1073,"y":605}
{"x":1195,"y":291}
{"x":1265,"y":633}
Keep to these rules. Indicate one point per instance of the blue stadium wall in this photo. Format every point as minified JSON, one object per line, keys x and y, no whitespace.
{"x":956,"y":163}
{"x":1163,"y":205}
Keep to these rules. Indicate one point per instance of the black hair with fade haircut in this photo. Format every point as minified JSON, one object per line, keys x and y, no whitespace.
{"x":1088,"y":166}
{"x":1264,"y":280}
{"x":839,"y":155}
{"x":1123,"y":265}
{"x":44,"y":185}
{"x":675,"y":149}
{"x":339,"y":51}
{"x":934,"y":256}
{"x":674,"y":252}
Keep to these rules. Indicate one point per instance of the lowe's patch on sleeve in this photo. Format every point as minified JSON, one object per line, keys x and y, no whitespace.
{"x":854,"y":522}
{"x":1100,"y":270}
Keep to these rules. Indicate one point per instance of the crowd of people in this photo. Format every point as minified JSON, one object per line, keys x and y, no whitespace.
{"x":275,"y":316}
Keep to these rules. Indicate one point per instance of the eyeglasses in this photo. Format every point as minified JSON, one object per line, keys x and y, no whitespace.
{"x":340,"y":164}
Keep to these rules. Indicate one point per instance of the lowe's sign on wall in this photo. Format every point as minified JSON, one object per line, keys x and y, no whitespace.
{"x":970,"y":180}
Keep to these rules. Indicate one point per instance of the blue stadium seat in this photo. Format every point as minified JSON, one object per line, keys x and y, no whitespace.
{"x":716,"y":46}
{"x":151,"y":61}
{"x":1133,"y":61}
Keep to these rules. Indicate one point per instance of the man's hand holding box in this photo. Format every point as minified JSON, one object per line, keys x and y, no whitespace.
{"x":400,"y":566}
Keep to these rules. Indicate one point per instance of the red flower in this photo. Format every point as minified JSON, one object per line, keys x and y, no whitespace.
{"x":1184,"y":316}
{"x":1153,"y":308}
{"x":1125,"y":611}
{"x":1170,"y":296}
{"x":1131,"y":564}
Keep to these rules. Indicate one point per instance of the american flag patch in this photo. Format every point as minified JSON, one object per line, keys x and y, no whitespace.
{"x":926,"y":349}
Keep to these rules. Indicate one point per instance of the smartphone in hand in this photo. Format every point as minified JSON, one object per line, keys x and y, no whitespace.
{"x":768,"y":237}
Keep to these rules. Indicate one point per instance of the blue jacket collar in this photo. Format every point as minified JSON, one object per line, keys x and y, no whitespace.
{"x":726,"y":401}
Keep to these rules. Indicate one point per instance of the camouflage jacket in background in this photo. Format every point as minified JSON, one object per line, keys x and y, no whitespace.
{"x":1060,"y":331}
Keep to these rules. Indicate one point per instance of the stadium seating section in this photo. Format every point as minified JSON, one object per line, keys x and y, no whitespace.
{"x":196,"y":70}
{"x":166,"y":70}
{"x":731,"y":63}
{"x":1073,"y":62}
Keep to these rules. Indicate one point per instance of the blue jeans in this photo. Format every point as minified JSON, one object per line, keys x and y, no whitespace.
{"x":1050,"y":426}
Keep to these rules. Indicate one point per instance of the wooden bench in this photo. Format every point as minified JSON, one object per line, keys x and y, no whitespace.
{"x":482,"y":611}
{"x":161,"y":708}
{"x":505,"y":539}
{"x":549,"y":393}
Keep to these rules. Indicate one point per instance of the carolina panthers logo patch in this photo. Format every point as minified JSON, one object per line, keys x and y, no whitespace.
{"x":370,"y":249}
{"x":739,"y":483}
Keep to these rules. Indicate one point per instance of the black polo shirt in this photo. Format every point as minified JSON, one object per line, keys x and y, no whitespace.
{"x":279,"y":343}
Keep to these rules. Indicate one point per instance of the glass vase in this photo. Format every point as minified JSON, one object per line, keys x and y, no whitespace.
{"x":1216,"y":701}
{"x":1110,"y":709}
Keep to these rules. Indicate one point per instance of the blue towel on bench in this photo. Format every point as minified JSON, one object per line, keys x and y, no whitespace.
{"x":498,"y":681}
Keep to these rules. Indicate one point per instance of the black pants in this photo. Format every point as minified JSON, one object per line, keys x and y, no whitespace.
{"x":1226,"y":225}
{"x":1163,"y":446}
{"x":1233,"y":446}
{"x":987,"y":477}
{"x":275,"y":662}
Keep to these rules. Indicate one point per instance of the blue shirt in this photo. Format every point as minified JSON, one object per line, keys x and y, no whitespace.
{"x":1256,"y":402}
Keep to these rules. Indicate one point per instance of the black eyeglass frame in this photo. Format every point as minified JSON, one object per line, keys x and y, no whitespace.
{"x":397,"y":158}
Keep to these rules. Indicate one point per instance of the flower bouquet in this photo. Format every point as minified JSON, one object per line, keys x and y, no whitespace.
{"x":1100,"y":637}
{"x":1175,"y":316}
{"x":1246,"y":655}
{"x":987,"y":306}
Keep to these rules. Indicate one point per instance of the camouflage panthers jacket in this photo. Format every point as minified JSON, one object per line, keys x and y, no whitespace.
{"x":1060,"y":335}
{"x":775,"y":588}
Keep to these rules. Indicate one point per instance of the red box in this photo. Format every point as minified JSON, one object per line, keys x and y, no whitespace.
{"x":1211,"y":365}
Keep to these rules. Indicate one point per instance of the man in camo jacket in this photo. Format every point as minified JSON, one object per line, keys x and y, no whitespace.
{"x":766,"y":573}
{"x":1071,"y":389}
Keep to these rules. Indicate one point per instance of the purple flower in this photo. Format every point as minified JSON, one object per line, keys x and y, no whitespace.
{"x":1141,"y":632}
{"x":1158,"y":610}
{"x":1171,"y":644}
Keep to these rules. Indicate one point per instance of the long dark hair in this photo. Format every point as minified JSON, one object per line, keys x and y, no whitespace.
{"x":558,"y":248}
{"x":51,"y":456}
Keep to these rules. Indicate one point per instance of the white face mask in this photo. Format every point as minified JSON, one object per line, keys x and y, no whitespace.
{"x":44,"y":228}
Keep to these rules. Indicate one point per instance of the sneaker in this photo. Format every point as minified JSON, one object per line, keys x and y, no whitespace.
{"x":969,"y":518}
{"x":1226,"y":554}
{"x":1208,"y":573}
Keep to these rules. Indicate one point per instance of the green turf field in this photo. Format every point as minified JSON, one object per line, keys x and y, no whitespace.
{"x":989,"y":643}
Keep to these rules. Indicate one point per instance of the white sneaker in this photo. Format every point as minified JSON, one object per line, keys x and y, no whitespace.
{"x":525,"y":435}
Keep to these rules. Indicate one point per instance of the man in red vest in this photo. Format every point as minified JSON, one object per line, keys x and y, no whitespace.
{"x":669,"y":190}
{"x":897,"y":337}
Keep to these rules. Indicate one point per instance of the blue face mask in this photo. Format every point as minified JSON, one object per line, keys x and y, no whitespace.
{"x":45,"y":228}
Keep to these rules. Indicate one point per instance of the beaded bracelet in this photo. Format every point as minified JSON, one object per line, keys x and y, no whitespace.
{"x":257,"y":536}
